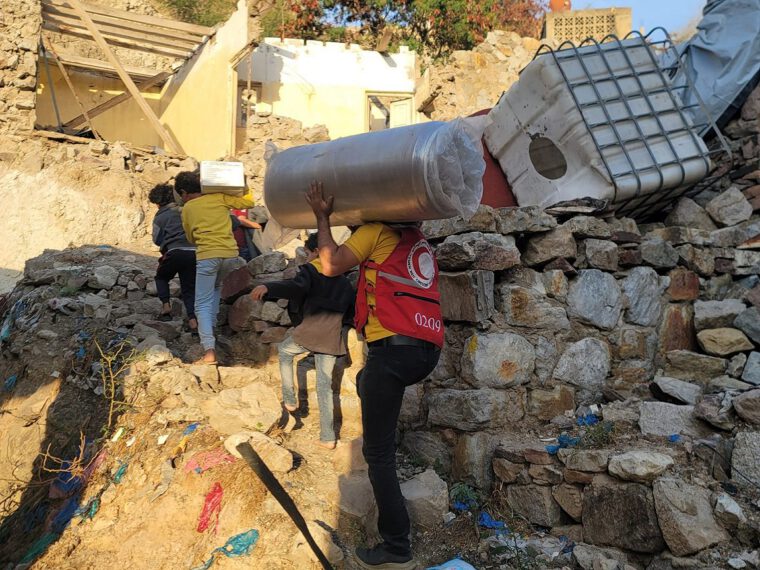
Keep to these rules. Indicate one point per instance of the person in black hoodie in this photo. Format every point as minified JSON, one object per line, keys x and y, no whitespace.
{"x":319,"y":308}
{"x":177,"y":254}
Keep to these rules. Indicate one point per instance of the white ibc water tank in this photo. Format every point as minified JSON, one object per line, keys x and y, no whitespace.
{"x":599,"y":121}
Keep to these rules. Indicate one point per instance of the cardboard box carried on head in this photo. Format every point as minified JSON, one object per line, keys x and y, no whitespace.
{"x":222,"y":177}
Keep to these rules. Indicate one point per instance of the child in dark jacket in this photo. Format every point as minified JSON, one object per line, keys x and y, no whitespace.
{"x":318,"y":306}
{"x":177,"y":254}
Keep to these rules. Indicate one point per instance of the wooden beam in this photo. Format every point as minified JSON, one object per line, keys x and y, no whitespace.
{"x":113,"y":101}
{"x":139,"y":18}
{"x":61,"y":136}
{"x":96,"y":65}
{"x":73,"y":90}
{"x":50,"y":9}
{"x":171,"y":145}
{"x":126,"y":33}
{"x":116,"y":41}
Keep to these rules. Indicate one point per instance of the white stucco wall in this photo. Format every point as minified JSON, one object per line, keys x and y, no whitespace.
{"x":327,"y":83}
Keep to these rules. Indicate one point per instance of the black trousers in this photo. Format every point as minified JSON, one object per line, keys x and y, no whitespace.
{"x":381,"y":383}
{"x":173,"y":262}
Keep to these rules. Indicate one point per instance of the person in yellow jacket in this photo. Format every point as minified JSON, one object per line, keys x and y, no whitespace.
{"x":206,"y":220}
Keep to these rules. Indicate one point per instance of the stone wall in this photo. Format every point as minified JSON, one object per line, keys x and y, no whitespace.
{"x":602,"y":374}
{"x":471,"y":81}
{"x":20,"y":23}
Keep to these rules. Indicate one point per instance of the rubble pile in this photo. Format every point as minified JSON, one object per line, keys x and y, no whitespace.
{"x":20,"y":32}
{"x":283,"y":132}
{"x":471,"y":81}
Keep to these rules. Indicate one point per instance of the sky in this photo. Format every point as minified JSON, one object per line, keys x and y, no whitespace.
{"x":673,"y":15}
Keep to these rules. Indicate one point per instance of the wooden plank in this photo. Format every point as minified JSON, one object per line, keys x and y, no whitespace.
{"x":96,"y":65}
{"x":115,"y":41}
{"x":139,"y":18}
{"x":72,"y":89}
{"x":61,"y":136}
{"x":113,"y":101}
{"x":118,"y":32}
{"x":171,"y":145}
{"x":127,"y":24}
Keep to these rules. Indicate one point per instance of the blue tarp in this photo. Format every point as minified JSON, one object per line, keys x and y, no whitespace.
{"x":721,"y":61}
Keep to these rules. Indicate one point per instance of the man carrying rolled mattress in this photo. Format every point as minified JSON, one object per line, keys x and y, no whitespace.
{"x":398,"y":311}
{"x":206,"y":220}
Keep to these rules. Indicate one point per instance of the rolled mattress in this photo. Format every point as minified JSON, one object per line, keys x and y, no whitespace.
{"x":419,"y":172}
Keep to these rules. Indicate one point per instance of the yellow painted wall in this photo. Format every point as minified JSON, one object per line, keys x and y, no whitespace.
{"x":198,"y":105}
{"x":124,"y":122}
{"x":340,"y":108}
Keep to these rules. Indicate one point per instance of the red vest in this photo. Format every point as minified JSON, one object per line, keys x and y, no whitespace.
{"x":407,"y":301}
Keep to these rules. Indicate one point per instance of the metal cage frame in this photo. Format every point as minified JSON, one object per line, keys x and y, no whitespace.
{"x":639,"y":206}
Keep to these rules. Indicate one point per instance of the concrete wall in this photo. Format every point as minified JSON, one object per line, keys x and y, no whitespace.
{"x":124,"y":122}
{"x":577,"y":25}
{"x":327,"y":83}
{"x":198,"y":105}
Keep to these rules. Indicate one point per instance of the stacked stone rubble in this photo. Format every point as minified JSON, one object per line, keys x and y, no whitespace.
{"x":471,"y":81}
{"x":19,"y":37}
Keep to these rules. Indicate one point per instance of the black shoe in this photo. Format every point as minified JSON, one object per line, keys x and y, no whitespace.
{"x":378,"y":558}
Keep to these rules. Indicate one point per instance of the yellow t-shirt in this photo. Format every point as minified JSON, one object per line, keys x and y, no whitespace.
{"x":373,"y":241}
{"x":207,"y":224}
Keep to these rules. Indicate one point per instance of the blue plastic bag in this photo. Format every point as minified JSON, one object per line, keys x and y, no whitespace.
{"x":454,"y":564}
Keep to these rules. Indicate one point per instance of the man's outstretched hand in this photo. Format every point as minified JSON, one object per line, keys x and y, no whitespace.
{"x":258,"y":293}
{"x":321,"y":206}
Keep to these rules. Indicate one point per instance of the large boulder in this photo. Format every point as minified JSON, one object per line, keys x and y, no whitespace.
{"x":476,"y":250}
{"x":526,"y":307}
{"x":467,"y":296}
{"x":570,"y":498}
{"x":659,"y":418}
{"x":471,"y":460}
{"x":723,"y":341}
{"x":555,"y":243}
{"x":255,"y":407}
{"x":748,"y":321}
{"x":274,"y":456}
{"x":497,"y":360}
{"x":729,"y":208}
{"x":427,"y":499}
{"x":747,"y":406}
{"x":594,"y":297}
{"x":622,"y":515}
{"x":745,"y":459}
{"x":687,"y":213}
{"x":547,"y":404}
{"x":536,"y":503}
{"x":717,"y":314}
{"x":639,"y":466}
{"x":585,"y":364}
{"x":751,"y":373}
{"x":690,"y":366}
{"x":472,"y":410}
{"x":643,"y":288}
{"x":686,"y":517}
{"x":681,"y":391}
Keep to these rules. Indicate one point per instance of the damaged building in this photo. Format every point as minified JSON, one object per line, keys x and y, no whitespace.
{"x":597,"y":401}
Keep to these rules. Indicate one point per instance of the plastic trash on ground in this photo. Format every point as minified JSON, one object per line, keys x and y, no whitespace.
{"x":238,"y":545}
{"x":406,"y":174}
{"x":205,"y":460}
{"x":212,"y":506}
{"x":454,"y":564}
{"x":598,"y":121}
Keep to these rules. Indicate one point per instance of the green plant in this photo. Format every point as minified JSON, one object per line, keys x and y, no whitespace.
{"x":202,"y":12}
{"x":466,"y":495}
